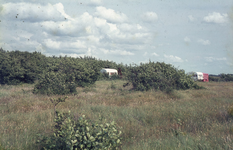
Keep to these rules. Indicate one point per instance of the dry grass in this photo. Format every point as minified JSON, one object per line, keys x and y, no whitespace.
{"x":192,"y":118}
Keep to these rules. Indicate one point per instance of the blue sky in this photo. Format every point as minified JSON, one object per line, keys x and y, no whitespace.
{"x":191,"y":35}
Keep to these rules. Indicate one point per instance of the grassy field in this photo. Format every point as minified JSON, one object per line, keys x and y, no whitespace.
{"x":190,"y":119}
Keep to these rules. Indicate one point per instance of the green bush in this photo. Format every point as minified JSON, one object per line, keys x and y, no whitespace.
{"x":55,"y":83}
{"x":221,"y":77}
{"x":226,"y":77}
{"x":84,"y":73}
{"x":65,"y":74}
{"x":20,"y":67}
{"x":81,"y":134}
{"x":159,"y":76}
{"x":214,"y":78}
{"x":103,"y":76}
{"x":114,"y":77}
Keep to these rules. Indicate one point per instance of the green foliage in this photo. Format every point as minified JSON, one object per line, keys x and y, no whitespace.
{"x":55,"y":102}
{"x":159,"y":76}
{"x":81,"y":134}
{"x":20,"y":67}
{"x":214,"y":78}
{"x":64,"y":75}
{"x":114,"y":77}
{"x":221,"y":77}
{"x":103,"y":76}
{"x":226,"y":77}
{"x":55,"y":83}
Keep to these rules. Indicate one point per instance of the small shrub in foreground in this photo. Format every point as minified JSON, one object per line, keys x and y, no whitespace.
{"x":81,"y":134}
{"x":70,"y":133}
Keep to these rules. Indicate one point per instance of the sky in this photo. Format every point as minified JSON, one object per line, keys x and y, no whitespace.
{"x":190,"y":35}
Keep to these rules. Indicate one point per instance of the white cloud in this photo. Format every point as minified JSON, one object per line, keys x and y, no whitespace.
{"x":191,"y":18}
{"x":99,"y":22}
{"x":95,"y":2}
{"x":58,"y":33}
{"x":149,"y":16}
{"x":211,"y":59}
{"x":86,"y":25}
{"x":173,"y":58}
{"x":82,"y":25}
{"x":40,"y":48}
{"x":117,"y":52}
{"x":216,"y":17}
{"x":60,"y":8}
{"x":126,"y":27}
{"x":110,"y":14}
{"x":77,"y":44}
{"x":204,"y":42}
{"x":100,"y":28}
{"x":154,"y":54}
{"x":164,"y":44}
{"x":89,"y":52}
{"x":52,"y":44}
{"x":187,"y":39}
{"x":145,"y":54}
{"x":34,"y":12}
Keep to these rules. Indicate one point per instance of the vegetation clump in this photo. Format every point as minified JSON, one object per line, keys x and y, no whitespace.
{"x":74,"y":134}
{"x":65,"y":74}
{"x":221,"y":78}
{"x":55,"y":83}
{"x":18,"y":67}
{"x":159,"y":76}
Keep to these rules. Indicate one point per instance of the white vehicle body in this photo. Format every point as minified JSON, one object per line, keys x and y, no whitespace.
{"x":109,"y":71}
{"x":199,"y":76}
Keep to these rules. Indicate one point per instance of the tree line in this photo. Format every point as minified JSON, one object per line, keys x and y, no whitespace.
{"x":61,"y":75}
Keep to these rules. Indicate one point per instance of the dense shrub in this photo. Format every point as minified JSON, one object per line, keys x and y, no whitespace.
{"x":226,"y":77}
{"x":221,"y":77}
{"x":65,"y":74}
{"x":159,"y":76}
{"x":114,"y":77}
{"x":20,"y":67}
{"x":81,"y":134}
{"x":55,"y":83}
{"x":105,"y":76}
{"x":84,"y":73}
{"x":214,"y":78}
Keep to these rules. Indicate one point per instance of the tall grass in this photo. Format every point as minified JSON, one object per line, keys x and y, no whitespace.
{"x":190,"y":119}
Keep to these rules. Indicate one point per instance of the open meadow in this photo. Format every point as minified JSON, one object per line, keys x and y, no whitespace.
{"x":183,"y":119}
